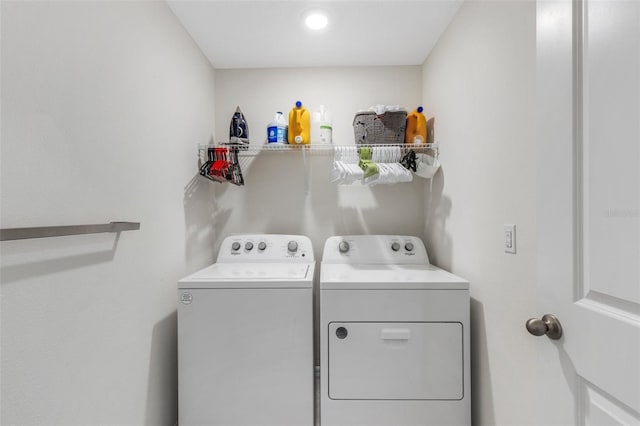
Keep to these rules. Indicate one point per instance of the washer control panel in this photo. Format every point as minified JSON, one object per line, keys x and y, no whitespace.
{"x":375,"y":249}
{"x":266,"y":247}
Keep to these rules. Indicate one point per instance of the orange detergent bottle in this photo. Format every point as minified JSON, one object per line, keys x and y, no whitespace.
{"x":416,"y":131}
{"x":299,"y":125}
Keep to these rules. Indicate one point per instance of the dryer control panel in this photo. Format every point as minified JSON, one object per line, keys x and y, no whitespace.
{"x":375,"y":249}
{"x":266,"y":248}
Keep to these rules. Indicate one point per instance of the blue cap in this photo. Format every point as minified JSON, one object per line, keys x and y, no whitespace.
{"x":298,"y":104}
{"x":419,"y":109}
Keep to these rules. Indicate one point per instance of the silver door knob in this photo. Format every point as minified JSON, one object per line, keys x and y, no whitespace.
{"x":549,"y":325}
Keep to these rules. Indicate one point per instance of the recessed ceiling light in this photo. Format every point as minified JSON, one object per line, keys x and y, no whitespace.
{"x":316,"y":20}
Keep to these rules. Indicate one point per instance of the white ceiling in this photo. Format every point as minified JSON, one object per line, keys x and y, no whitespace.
{"x":271,"y":33}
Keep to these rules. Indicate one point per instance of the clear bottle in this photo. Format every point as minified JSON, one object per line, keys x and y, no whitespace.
{"x":299,"y":125}
{"x":321,"y":126}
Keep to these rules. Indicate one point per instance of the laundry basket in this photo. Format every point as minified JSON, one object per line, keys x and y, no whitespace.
{"x":387,"y":128}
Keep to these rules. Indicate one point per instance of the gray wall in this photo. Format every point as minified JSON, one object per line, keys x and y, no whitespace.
{"x":479,"y":83}
{"x":102,"y":104}
{"x":275,"y":198}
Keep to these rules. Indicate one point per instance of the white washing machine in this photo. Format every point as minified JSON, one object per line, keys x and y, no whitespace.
{"x":394,"y":335}
{"x":245,"y":335}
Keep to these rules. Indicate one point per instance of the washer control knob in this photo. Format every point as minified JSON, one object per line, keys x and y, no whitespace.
{"x":292,"y":246}
{"x":395,"y":246}
{"x":235,"y":246}
{"x":408,"y":246}
{"x":343,"y":247}
{"x":248,"y":246}
{"x":262,"y":245}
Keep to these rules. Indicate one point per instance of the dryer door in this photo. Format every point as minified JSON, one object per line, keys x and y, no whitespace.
{"x":395,"y":360}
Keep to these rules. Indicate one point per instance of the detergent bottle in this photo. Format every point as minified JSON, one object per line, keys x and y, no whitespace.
{"x":416,"y":131}
{"x":277,"y":129}
{"x":299,"y":125}
{"x":321,"y":127}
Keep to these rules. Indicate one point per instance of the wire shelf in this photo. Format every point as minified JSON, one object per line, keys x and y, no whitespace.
{"x":325,"y":150}
{"x":244,"y":155}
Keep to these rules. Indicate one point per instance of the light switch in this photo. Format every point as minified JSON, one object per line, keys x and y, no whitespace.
{"x":509,"y":238}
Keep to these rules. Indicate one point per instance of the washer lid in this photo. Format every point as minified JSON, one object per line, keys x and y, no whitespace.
{"x":388,"y":277}
{"x":251,"y":275}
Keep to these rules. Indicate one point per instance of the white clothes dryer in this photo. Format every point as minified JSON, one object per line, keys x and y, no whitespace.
{"x":394,"y":335}
{"x":245,"y":335}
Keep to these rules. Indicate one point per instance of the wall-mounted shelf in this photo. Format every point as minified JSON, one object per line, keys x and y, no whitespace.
{"x":9,"y":234}
{"x":225,"y":162}
{"x":253,"y":150}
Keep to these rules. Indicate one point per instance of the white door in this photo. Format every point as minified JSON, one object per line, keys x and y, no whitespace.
{"x":589,"y":210}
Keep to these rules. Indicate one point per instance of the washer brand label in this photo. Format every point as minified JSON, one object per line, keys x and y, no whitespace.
{"x":186,"y":298}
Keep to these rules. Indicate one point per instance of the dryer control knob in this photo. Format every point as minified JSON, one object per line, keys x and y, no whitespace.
{"x":343,"y":247}
{"x":408,"y":246}
{"x":262,"y":245}
{"x":292,"y":246}
{"x":248,"y":246}
{"x":235,"y":246}
{"x":395,"y":246}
